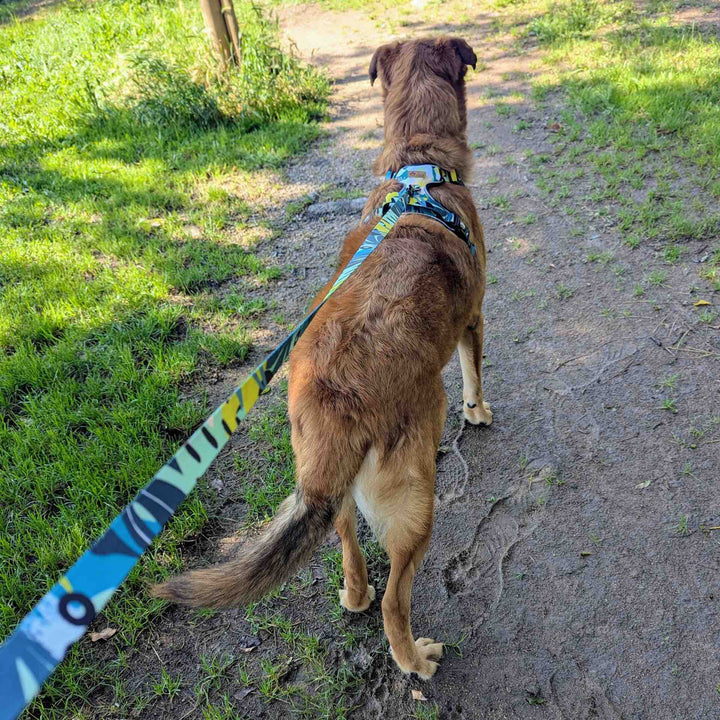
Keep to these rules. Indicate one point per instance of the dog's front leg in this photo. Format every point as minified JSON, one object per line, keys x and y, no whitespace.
{"x":470,"y":348}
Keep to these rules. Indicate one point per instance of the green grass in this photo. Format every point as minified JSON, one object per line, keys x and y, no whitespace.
{"x":643,"y":80}
{"x":117,"y":142}
{"x":681,"y":528}
{"x":604,"y":257}
{"x":426,"y":711}
{"x":577,"y":19}
{"x":268,"y":483}
{"x":641,"y":94}
{"x":564,"y":292}
{"x":327,"y":687}
{"x":657,"y":278}
{"x":374,"y":6}
{"x":669,"y":404}
{"x":711,"y":271}
{"x":167,"y":684}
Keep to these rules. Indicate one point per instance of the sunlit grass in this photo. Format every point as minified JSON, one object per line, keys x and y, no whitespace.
{"x":642,"y":97}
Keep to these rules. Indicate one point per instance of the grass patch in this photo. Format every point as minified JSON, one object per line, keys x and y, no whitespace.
{"x":565,"y":21}
{"x":374,"y":6}
{"x":711,"y":271}
{"x":117,"y":135}
{"x":269,"y":483}
{"x":326,"y":687}
{"x":642,"y":96}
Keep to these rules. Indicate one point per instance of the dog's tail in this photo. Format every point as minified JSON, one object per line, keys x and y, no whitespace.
{"x":274,"y":557}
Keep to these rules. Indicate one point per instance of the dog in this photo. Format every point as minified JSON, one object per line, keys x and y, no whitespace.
{"x":366,"y":399}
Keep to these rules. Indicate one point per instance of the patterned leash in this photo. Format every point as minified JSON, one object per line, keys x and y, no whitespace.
{"x":61,"y":617}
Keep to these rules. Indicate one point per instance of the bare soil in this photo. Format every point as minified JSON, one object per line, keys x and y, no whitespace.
{"x":560,"y":559}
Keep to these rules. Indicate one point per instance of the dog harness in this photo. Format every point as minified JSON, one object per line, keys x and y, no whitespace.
{"x":415,"y":198}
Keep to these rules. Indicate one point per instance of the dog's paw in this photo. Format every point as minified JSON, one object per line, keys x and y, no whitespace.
{"x":477,"y":414}
{"x":424,"y":666}
{"x":358,"y":607}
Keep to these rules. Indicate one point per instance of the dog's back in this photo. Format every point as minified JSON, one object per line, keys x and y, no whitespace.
{"x":374,"y":352}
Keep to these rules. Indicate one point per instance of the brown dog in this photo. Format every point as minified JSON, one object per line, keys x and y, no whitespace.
{"x":366,"y":399}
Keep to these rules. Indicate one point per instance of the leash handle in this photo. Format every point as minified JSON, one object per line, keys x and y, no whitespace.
{"x":62,"y":616}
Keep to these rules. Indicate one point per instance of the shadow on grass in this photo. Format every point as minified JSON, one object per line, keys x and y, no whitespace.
{"x":119,"y":194}
{"x":94,"y":240}
{"x":10,"y":10}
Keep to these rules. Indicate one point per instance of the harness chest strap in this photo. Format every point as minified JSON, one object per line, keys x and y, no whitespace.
{"x":415,"y":180}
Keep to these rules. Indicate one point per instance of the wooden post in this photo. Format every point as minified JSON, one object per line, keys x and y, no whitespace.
{"x":228,"y":12}
{"x":217,"y":28}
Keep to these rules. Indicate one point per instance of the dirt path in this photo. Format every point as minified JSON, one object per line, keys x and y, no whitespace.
{"x":572,"y":559}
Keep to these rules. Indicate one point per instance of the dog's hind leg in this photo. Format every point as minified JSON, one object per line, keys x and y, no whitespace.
{"x":357,"y":594}
{"x":406,"y":543}
{"x":470,"y":349}
{"x":403,"y":502}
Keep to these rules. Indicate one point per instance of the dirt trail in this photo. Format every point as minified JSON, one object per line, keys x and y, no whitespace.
{"x":559,"y":561}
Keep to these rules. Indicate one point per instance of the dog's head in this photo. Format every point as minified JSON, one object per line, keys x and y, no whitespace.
{"x":423,"y":84}
{"x":445,"y":57}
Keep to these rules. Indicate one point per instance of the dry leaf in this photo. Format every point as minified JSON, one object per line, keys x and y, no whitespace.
{"x":643,"y":485}
{"x":702,"y":302}
{"x":108,"y":632}
{"x":418,"y":695}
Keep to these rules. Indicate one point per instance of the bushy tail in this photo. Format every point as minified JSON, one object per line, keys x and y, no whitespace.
{"x":280,"y":551}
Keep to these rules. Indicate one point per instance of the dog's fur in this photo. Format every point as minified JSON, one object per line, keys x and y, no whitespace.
{"x":366,"y":399}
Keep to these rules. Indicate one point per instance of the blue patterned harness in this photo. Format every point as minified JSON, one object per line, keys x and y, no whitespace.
{"x":415,"y":181}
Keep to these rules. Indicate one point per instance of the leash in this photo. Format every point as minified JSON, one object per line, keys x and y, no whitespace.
{"x":62,"y":616}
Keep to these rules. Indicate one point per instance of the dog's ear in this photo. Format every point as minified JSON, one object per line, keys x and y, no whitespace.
{"x":381,"y":63}
{"x":464,"y":52}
